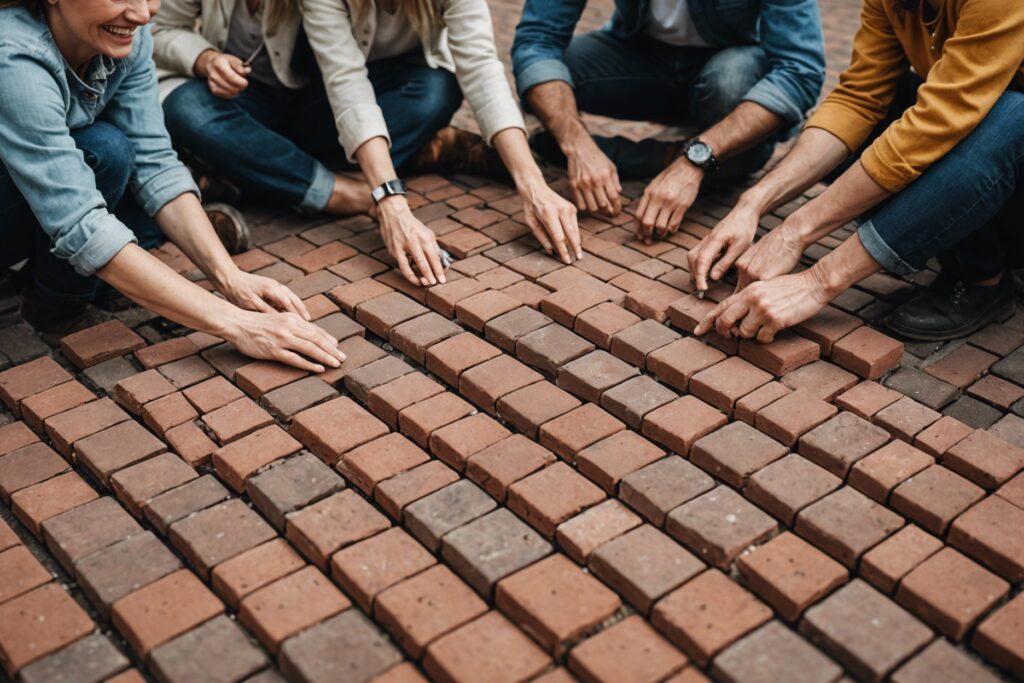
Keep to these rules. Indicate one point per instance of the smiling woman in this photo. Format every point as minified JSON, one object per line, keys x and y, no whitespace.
{"x":88,"y":181}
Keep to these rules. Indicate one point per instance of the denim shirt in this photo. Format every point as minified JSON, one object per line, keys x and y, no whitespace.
{"x":42,"y":100}
{"x":789,"y":32}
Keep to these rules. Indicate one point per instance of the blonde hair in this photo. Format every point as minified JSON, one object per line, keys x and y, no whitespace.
{"x":422,"y":14}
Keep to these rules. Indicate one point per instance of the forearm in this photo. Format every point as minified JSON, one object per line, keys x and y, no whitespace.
{"x":186,"y":224}
{"x":150,"y":283}
{"x":515,"y":153}
{"x":374,"y":159}
{"x":815,"y":153}
{"x":851,"y":195}
{"x":747,"y":125}
{"x":845,"y":266}
{"x":555,"y":105}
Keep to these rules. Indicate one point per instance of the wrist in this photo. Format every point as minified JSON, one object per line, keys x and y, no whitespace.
{"x":575,"y":139}
{"x":826,"y":281}
{"x":393,"y":205}
{"x":202,"y":63}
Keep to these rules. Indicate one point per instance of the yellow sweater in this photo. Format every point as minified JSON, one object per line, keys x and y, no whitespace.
{"x":969,"y":53}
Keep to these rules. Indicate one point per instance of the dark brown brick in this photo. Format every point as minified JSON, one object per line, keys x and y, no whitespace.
{"x":662,"y":486}
{"x":216,"y":534}
{"x":99,"y":343}
{"x":137,"y":484}
{"x":290,"y":485}
{"x":334,"y":523}
{"x":788,"y":485}
{"x":841,"y":441}
{"x":846,"y":524}
{"x":719,"y":525}
{"x":735,"y":452}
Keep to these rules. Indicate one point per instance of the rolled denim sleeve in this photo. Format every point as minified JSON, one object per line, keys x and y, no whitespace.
{"x":159,"y":175}
{"x":543,"y":34}
{"x":47,"y":167}
{"x":792,"y":39}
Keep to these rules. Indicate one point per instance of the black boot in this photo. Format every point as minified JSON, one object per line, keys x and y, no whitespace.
{"x":54,"y":319}
{"x":950,"y":308}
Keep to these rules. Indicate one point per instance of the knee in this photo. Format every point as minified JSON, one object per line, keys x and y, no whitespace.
{"x":725,"y":80}
{"x":441,"y":97}
{"x":189,"y":109}
{"x":109,"y":154}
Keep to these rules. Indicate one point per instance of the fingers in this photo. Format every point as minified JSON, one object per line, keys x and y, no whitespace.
{"x":404,"y":268}
{"x":314,"y":352}
{"x":649,"y":218}
{"x":571,"y":229}
{"x":705,"y":325}
{"x":661,"y":222}
{"x":590,"y":200}
{"x":433,"y":253}
{"x":554,"y":229}
{"x":735,"y":309}
{"x":426,"y":273}
{"x":604,"y":204}
{"x":293,"y":304}
{"x":701,"y":259}
{"x":733,"y":252}
{"x":297,"y":361}
{"x":613,"y":190}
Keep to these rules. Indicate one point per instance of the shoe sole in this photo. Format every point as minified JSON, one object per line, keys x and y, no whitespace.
{"x":241,"y":240}
{"x":999,"y":315}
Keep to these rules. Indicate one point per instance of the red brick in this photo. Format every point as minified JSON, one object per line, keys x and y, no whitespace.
{"x":261,"y":376}
{"x":443,"y":298}
{"x":950,"y":592}
{"x":821,"y":378}
{"x":320,"y":306}
{"x":99,"y":343}
{"x":334,"y":523}
{"x":790,"y":574}
{"x":321,"y":257}
{"x":885,"y":469}
{"x":934,"y":497}
{"x":990,"y":532}
{"x":846,"y":524}
{"x":422,"y":419}
{"x":367,"y":378}
{"x":629,"y":650}
{"x":38,"y":503}
{"x":191,"y":443}
{"x":137,"y":390}
{"x":477,"y":310}
{"x":996,"y":391}
{"x":466,"y":242}
{"x":20,"y":572}
{"x":867,"y":352}
{"x":457,"y":442}
{"x":486,"y":649}
{"x":827,"y":327}
{"x":253,"y":569}
{"x":187,"y":371}
{"x":388,"y":400}
{"x":528,"y":408}
{"x":533,"y":265}
{"x":653,"y":301}
{"x":349,"y":296}
{"x":450,"y":358}
{"x":398,"y":491}
{"x":962,"y":366}
{"x":887,"y":563}
{"x":29,"y":379}
{"x":708,"y":614}
{"x":551,"y":347}
{"x":551,"y":496}
{"x":484,"y":384}
{"x":419,"y":610}
{"x":555,"y":601}
{"x":85,"y":420}
{"x":371,"y":566}
{"x":28,"y":466}
{"x":14,"y":436}
{"x":236,"y":420}
{"x":527,"y":293}
{"x":38,"y":623}
{"x":115,"y":448}
{"x":943,"y":660}
{"x":290,"y":246}
{"x":289,"y":605}
{"x":331,"y":429}
{"x":358,"y":353}
{"x":382,"y":313}
{"x":506,"y":329}
{"x":566,"y":304}
{"x":792,"y":416}
{"x":746,"y":408}
{"x":719,"y":525}
{"x":63,"y":397}
{"x":998,"y":638}
{"x":985,"y":459}
{"x":569,"y":434}
{"x":905,"y":418}
{"x":772,"y":653}
{"x":601,"y":323}
{"x":677,"y":362}
{"x":500,"y":465}
{"x":590,"y":376}
{"x":166,"y":352}
{"x":164,"y":610}
{"x":723,"y":384}
{"x":867,"y":398}
{"x":609,"y":460}
{"x":735,"y":452}
{"x":680,"y":423}
{"x":1013,"y":491}
{"x":413,"y":338}
{"x":783,"y":355}
{"x":135,"y":485}
{"x":585,"y":532}
{"x":789,"y":484}
{"x":219,"y":533}
{"x":662,"y":486}
{"x":238,"y":460}
{"x":168,"y":412}
{"x":380,"y":459}
{"x":941,"y":435}
{"x":212,"y":394}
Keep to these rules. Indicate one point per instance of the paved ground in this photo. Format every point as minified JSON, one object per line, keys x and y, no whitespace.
{"x":530,"y":473}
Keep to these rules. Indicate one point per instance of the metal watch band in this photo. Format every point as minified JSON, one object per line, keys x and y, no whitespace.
{"x":387,"y":189}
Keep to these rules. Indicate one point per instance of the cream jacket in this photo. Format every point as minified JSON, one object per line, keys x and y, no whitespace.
{"x":177,"y":44}
{"x":463,"y":43}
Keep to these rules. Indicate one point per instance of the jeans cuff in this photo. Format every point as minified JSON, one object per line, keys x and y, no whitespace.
{"x":320,"y":190}
{"x":881,"y":251}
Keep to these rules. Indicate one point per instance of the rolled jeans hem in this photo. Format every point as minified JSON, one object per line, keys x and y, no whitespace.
{"x":320,"y":190}
{"x":881,"y":251}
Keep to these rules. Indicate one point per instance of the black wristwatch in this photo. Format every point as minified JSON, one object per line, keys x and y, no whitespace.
{"x":387,"y":189}
{"x":700,"y":154}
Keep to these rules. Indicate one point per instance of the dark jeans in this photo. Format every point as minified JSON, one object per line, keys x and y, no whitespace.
{"x":111,"y":157}
{"x":279,"y":142}
{"x":966,"y":209}
{"x":647,"y":80}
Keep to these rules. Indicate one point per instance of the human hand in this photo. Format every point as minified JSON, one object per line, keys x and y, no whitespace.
{"x":258,"y":293}
{"x":733,"y":235}
{"x":594,"y":179}
{"x":764,"y":308}
{"x":225,"y":74}
{"x":552,"y":221}
{"x":667,"y":199}
{"x":284,"y":337}
{"x":777,"y":253}
{"x":409,"y":241}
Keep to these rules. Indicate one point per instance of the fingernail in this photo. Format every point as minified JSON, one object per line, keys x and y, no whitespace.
{"x":443,"y":279}
{"x":318,"y":368}
{"x":335,"y":362}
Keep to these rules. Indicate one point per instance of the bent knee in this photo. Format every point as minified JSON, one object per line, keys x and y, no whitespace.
{"x":726,"y":79}
{"x":442,"y":96}
{"x":190,"y":107}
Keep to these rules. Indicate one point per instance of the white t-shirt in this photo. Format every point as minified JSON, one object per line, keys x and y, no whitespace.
{"x":670,"y":22}
{"x":395,"y":36}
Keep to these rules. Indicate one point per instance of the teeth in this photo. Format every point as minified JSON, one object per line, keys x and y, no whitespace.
{"x":120,"y":30}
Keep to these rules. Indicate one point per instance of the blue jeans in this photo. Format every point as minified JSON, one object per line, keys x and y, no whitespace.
{"x":112,"y":159}
{"x":280,"y":142}
{"x":648,"y":80}
{"x":965,"y":209}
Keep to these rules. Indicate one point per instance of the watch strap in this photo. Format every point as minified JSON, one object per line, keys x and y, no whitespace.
{"x":387,"y":189}
{"x":709,"y":165}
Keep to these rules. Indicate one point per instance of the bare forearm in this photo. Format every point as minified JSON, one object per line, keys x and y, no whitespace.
{"x":815,"y":153}
{"x":374,"y":159}
{"x":850,"y":196}
{"x":745,"y":127}
{"x":555,"y":105}
{"x":186,"y":224}
{"x":515,"y":152}
{"x":845,"y":266}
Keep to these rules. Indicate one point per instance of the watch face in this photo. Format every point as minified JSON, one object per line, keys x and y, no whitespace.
{"x":698,"y":153}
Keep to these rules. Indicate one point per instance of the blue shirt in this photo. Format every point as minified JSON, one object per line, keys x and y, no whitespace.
{"x":789,"y":31}
{"x":42,"y":101}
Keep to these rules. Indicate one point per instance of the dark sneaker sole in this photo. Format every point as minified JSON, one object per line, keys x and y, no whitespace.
{"x":998,"y":315}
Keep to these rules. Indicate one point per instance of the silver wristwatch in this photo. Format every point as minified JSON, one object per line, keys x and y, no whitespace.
{"x":387,"y":189}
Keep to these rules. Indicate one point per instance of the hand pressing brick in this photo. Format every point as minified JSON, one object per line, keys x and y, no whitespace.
{"x":28,"y":466}
{"x":334,"y":523}
{"x":551,"y":496}
{"x":879,"y":473}
{"x":662,"y":486}
{"x":792,"y":416}
{"x":790,"y":574}
{"x":719,"y":525}
{"x":371,"y":566}
{"x":990,"y":533}
{"x":724,"y":383}
{"x":99,"y":343}
{"x":36,"y":409}
{"x":735,"y":452}
{"x":609,"y":460}
{"x":707,"y":614}
{"x":788,"y":485}
{"x":398,"y":491}
{"x":551,"y":347}
{"x":528,"y":408}
{"x":846,"y":524}
{"x":39,"y":623}
{"x":253,"y":569}
{"x":500,"y":465}
{"x":29,"y":379}
{"x":450,"y":358}
{"x":487,"y":649}
{"x":867,"y":352}
{"x":680,"y":423}
{"x":455,"y":443}
{"x":380,"y":459}
{"x":840,"y":442}
{"x":331,"y":429}
{"x":555,"y":601}
{"x":422,"y":419}
{"x":935,"y":497}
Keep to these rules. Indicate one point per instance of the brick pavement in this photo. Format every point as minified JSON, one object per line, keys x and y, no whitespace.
{"x":530,"y":473}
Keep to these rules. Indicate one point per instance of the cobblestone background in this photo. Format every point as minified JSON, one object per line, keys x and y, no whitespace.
{"x":532,"y":472}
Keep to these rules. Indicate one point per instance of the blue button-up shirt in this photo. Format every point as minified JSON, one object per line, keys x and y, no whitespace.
{"x":789,"y":31}
{"x":42,"y":101}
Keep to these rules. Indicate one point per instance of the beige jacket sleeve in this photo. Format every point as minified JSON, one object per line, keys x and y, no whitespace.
{"x":343,"y":67}
{"x":480,"y":73}
{"x":176,"y":42}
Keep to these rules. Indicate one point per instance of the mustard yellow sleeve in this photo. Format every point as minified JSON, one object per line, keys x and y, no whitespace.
{"x":977,"y":64}
{"x":862,"y":98}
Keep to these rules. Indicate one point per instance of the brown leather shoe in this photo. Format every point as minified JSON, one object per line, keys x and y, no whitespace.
{"x":453,"y":150}
{"x":230,"y":226}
